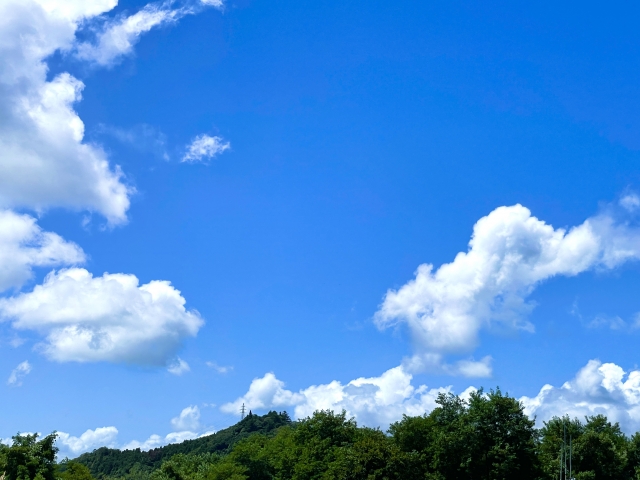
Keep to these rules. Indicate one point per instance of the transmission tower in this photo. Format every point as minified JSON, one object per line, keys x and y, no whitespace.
{"x":242,"y":410}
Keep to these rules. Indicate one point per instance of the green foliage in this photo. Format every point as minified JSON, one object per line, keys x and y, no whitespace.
{"x":70,"y":470}
{"x":30,"y":459}
{"x":599,"y":450}
{"x":486,"y":437}
{"x":135,"y":464}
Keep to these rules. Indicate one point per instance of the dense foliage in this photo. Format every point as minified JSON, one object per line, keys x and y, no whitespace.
{"x":487,"y":437}
{"x":109,"y":462}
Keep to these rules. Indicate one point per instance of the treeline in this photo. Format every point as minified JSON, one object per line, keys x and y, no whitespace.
{"x":487,"y":437}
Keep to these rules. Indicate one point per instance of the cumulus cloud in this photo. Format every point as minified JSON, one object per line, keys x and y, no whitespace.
{"x":375,"y":401}
{"x":89,"y":440}
{"x":598,"y":388}
{"x":44,"y":161}
{"x":24,"y":245}
{"x":18,"y":373}
{"x":510,"y":253}
{"x":189,"y":419}
{"x":204,"y":147}
{"x":109,"y":318}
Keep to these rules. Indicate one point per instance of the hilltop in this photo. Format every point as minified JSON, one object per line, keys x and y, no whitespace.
{"x":109,"y":462}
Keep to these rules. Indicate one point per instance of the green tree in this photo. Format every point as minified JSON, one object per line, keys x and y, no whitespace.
{"x":486,"y":437}
{"x":601,"y":451}
{"x":30,"y":459}
{"x":502,"y":438}
{"x":555,"y":435}
{"x":71,"y":470}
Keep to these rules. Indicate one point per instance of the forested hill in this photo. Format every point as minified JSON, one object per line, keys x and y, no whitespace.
{"x":109,"y":462}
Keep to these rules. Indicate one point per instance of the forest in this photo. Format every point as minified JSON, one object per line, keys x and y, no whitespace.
{"x":486,"y":437}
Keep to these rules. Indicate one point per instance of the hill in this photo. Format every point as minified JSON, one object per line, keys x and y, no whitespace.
{"x":113,"y":463}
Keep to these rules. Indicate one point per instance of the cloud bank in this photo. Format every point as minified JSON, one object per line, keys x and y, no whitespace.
{"x":89,"y":440}
{"x":510,"y":253}
{"x":375,"y":401}
{"x":598,"y":388}
{"x":379,"y":401}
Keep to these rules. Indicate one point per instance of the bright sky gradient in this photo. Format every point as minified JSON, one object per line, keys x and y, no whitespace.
{"x":301,"y":205}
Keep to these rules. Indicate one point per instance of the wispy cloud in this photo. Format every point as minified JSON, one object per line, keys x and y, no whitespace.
{"x":219,"y":368}
{"x":18,"y":373}
{"x":116,"y":38}
{"x":204,"y":147}
{"x":143,"y":138}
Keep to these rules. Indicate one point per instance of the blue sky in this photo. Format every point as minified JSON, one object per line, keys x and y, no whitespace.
{"x":288,"y":167}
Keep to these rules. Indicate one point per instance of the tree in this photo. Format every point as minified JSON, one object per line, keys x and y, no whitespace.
{"x":486,"y":437}
{"x":502,"y":438}
{"x":70,"y":470}
{"x":601,"y":450}
{"x":30,"y":459}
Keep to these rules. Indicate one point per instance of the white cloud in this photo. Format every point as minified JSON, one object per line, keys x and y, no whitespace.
{"x":24,"y":245}
{"x":186,"y":427}
{"x":43,"y":159}
{"x":155,"y":441}
{"x":118,"y":37}
{"x":213,"y":3}
{"x":630,"y":202}
{"x":375,"y":401}
{"x":204,"y":146}
{"x":189,"y":419}
{"x":434,"y":363}
{"x":598,"y":388}
{"x":18,"y":373}
{"x":109,"y":318}
{"x":612,"y":322}
{"x":219,"y":368}
{"x":178,"y":367}
{"x":89,"y":440}
{"x":509,"y":254}
{"x":265,"y":392}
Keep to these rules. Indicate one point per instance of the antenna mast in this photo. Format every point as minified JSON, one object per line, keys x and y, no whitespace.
{"x":242,"y":410}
